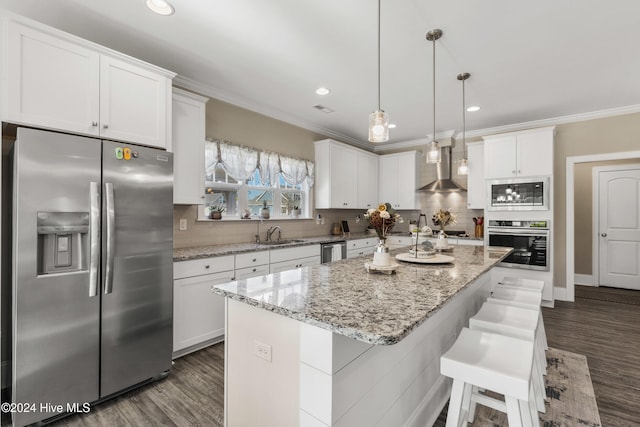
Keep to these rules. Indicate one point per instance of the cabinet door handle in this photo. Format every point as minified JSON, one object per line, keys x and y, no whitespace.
{"x":519,"y":171}
{"x":254,"y":270}
{"x":254,"y":260}
{"x":94,"y":124}
{"x":105,"y":126}
{"x":206,"y":266}
{"x":513,"y":172}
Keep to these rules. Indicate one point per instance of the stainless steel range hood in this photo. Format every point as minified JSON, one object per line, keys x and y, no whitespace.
{"x":443,"y":169}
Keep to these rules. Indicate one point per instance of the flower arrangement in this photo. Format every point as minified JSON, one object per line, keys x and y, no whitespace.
{"x":443,"y":218}
{"x":382,"y":219}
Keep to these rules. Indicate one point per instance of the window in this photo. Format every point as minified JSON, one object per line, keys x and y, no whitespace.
{"x":281,"y":183}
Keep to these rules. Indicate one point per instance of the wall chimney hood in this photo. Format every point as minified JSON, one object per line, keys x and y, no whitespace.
{"x":443,"y":169}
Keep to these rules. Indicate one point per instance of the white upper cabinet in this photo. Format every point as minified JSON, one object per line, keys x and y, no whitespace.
{"x":476,"y":186}
{"x":367,"y":180}
{"x":519,"y":154}
{"x":335,"y":185}
{"x":58,"y":81}
{"x":397,"y":180}
{"x":135,"y":104}
{"x":188,"y":136}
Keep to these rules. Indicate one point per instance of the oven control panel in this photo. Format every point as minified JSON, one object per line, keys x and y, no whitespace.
{"x":519,"y":224}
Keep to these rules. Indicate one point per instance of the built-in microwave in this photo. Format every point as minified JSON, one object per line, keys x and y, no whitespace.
{"x":518,"y":194}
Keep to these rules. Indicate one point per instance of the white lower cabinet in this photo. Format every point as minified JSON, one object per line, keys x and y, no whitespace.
{"x":361,"y":247}
{"x":394,"y":242}
{"x":252,"y":264}
{"x":296,"y":257}
{"x":198,"y":313}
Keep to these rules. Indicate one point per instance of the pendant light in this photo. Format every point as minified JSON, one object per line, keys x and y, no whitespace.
{"x":378,"y":120}
{"x":433,"y":155}
{"x":463,"y":167}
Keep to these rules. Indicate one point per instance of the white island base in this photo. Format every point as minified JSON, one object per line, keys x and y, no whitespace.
{"x":282,"y":372}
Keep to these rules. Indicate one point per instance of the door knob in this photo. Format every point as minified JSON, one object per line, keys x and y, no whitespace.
{"x":604,"y":234}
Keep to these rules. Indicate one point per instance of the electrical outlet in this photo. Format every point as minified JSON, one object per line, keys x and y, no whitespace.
{"x":262,"y":350}
{"x":183,"y":224}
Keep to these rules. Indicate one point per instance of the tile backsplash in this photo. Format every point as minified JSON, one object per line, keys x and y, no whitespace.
{"x":203,"y":233}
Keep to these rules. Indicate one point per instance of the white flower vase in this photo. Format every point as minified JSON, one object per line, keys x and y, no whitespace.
{"x":381,"y":257}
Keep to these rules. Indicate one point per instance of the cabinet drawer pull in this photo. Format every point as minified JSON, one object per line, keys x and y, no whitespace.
{"x":94,"y":124}
{"x":105,"y":126}
{"x":254,"y":260}
{"x":254,"y":270}
{"x":206,"y":266}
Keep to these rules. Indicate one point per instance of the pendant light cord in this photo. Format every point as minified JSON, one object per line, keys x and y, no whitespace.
{"x":464,"y":122}
{"x":434,"y":90}
{"x":379,"y":13}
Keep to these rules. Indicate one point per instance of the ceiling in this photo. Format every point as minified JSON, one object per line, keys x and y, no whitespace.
{"x":529,"y":61}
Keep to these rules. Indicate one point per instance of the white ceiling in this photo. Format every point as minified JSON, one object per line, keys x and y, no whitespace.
{"x":529,"y":61}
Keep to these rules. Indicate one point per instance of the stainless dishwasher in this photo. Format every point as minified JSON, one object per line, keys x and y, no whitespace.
{"x":334,"y":251}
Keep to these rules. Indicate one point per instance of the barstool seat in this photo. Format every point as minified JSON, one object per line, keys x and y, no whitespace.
{"x":514,"y":322}
{"x":523,"y":299}
{"x":492,"y":362}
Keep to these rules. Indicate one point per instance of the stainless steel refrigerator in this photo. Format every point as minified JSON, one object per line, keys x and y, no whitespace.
{"x":92,"y":270}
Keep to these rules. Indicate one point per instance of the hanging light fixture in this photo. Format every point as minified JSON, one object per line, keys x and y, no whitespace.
{"x":463,"y":167}
{"x":433,"y":155}
{"x":378,"y":120}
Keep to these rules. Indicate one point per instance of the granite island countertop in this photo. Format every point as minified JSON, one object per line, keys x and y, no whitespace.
{"x":374,"y":308}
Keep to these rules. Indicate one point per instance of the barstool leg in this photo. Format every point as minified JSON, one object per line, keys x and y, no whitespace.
{"x":535,"y":420}
{"x":514,"y":413}
{"x":455,"y":403}
{"x":472,"y":405}
{"x":538,"y":387}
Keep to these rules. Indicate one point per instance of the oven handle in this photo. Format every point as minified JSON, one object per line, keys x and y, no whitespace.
{"x":521,"y":232}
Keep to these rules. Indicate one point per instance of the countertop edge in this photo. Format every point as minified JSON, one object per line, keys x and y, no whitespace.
{"x":374,"y":339}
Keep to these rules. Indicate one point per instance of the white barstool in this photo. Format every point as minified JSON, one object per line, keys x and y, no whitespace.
{"x":492,"y":362}
{"x":514,"y":322}
{"x":521,"y":298}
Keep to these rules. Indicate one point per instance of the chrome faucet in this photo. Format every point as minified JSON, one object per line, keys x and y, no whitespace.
{"x":272,"y":230}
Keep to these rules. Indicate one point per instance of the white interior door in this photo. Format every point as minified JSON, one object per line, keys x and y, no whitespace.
{"x":619,"y":228}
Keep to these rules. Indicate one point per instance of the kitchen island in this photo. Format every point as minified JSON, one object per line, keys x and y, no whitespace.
{"x":333,"y":345}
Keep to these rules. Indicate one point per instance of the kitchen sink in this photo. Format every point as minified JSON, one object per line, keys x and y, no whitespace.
{"x":280,"y":242}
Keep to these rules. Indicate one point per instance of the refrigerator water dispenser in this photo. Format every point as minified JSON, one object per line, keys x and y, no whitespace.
{"x":62,"y":242}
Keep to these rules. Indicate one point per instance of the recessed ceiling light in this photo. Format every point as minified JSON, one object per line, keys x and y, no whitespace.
{"x":473,"y":108}
{"x":322,"y":91}
{"x":392,"y":125}
{"x":161,"y":7}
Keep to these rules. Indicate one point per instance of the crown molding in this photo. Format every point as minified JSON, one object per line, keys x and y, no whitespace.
{"x":233,"y":99}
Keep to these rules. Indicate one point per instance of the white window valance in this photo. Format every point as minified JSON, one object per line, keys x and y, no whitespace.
{"x":241,"y":163}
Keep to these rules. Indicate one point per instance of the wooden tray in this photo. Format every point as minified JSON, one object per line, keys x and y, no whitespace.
{"x":436,"y":259}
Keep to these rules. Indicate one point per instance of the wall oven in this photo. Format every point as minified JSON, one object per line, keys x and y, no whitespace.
{"x":530,"y":241}
{"x":518,"y":194}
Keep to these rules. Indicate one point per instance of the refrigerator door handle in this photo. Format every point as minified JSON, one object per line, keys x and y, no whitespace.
{"x":94,"y":238}
{"x":111,"y":225}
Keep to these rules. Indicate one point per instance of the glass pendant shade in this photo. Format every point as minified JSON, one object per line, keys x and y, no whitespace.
{"x":433,"y":155}
{"x":463,"y":167}
{"x":378,"y":126}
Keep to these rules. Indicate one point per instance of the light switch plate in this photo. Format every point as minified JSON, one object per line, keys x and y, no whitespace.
{"x":183,"y":224}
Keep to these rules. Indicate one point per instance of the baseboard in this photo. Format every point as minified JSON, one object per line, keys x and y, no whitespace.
{"x":584,"y":279}
{"x":560,"y":294}
{"x":417,"y":418}
{"x":196,"y":347}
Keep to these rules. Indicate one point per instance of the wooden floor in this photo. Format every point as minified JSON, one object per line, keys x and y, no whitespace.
{"x":607,"y":332}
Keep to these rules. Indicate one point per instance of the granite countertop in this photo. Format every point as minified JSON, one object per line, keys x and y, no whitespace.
{"x":186,"y":254}
{"x":374,"y":308}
